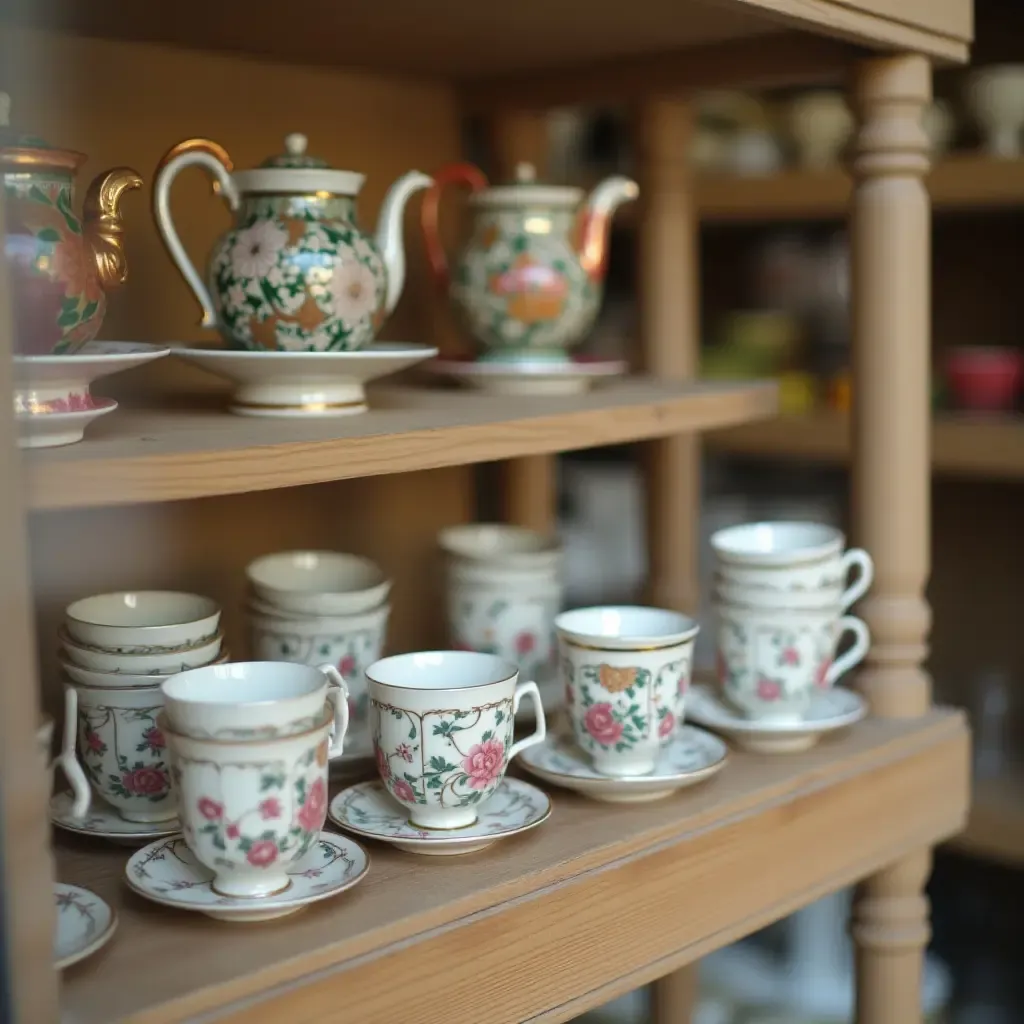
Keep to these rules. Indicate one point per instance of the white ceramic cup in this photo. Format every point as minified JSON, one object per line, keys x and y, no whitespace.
{"x":142,"y":621}
{"x":771,"y":661}
{"x":441,"y":723}
{"x":250,"y":808}
{"x":250,"y":700}
{"x":121,"y":748}
{"x":318,"y":582}
{"x":626,"y":670}
{"x":65,"y":760}
{"x":351,"y":643}
{"x":500,"y":545}
{"x":154,"y":662}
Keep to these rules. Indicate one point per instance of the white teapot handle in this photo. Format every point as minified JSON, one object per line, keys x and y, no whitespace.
{"x":192,"y":153}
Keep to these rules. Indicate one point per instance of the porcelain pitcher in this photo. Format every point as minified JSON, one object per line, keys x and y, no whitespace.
{"x":295,"y":273}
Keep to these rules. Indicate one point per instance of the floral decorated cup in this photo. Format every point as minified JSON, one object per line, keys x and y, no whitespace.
{"x":250,"y":808}
{"x":121,"y":748}
{"x":442,"y":724}
{"x":626,"y":671}
{"x":350,"y":642}
{"x":770,"y":661}
{"x":250,"y":700}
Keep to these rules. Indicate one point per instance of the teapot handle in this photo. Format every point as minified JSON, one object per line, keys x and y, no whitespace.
{"x":191,"y":153}
{"x":451,"y":174}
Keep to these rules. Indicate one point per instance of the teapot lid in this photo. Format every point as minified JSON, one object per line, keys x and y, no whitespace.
{"x":526,"y":191}
{"x":296,"y":172}
{"x":29,"y":153}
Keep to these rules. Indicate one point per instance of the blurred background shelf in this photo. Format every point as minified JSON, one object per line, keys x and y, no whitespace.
{"x":989,"y":448}
{"x":995,"y":825}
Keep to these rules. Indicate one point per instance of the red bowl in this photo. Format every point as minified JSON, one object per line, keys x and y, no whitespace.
{"x":984,"y":379}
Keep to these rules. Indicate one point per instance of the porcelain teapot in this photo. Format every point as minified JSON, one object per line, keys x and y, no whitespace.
{"x":528,"y":282}
{"x":295,"y":273}
{"x":61,"y":266}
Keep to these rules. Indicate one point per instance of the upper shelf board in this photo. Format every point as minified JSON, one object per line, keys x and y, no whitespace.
{"x":164,"y":455}
{"x":465,"y":40}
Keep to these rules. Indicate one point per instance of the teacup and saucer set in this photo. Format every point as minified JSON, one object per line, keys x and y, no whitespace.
{"x":249,"y":745}
{"x":442,"y":725}
{"x":297,"y":290}
{"x":781,"y":594}
{"x":528,"y":283}
{"x":626,"y":672}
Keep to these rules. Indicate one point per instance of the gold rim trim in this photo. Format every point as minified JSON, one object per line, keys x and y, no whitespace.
{"x":624,"y":650}
{"x":301,"y":407}
{"x":36,"y":158}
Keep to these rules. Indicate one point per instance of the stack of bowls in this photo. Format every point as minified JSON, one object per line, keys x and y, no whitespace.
{"x":317,"y":607}
{"x":780,"y":594}
{"x":504,"y":588}
{"x":116,"y":651}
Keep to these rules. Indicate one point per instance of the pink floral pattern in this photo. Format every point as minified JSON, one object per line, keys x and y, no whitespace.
{"x":485,"y":763}
{"x":262,"y":853}
{"x":666,"y":723}
{"x":313,"y":812}
{"x":146,"y":781}
{"x":768,"y":689}
{"x":210,"y":809}
{"x":821,"y":674}
{"x":603,"y":726}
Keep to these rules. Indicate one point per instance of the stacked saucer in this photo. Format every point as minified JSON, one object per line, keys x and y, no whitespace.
{"x":781,"y":595}
{"x":116,"y":651}
{"x":322,"y":607}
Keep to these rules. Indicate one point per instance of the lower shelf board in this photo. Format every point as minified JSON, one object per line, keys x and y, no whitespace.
{"x":995,"y":823}
{"x":599,"y":900}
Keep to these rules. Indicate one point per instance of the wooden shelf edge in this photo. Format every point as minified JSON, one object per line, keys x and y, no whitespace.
{"x":656,"y":872}
{"x":980,"y":447}
{"x":167,"y":456}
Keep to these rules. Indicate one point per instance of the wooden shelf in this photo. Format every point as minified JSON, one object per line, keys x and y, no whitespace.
{"x":598,"y":901}
{"x":960,"y":182}
{"x":995,"y":822}
{"x":164,"y":455}
{"x":962,"y":445}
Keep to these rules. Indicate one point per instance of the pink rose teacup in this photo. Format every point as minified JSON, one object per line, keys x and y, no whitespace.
{"x":441,"y":724}
{"x":626,"y":670}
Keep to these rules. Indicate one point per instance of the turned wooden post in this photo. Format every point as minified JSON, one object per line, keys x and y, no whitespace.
{"x":529,"y":484}
{"x":891,"y":255}
{"x":667,"y":287}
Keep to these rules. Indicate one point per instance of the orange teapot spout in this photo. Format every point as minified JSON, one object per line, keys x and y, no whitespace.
{"x":102,"y":224}
{"x":595,"y":222}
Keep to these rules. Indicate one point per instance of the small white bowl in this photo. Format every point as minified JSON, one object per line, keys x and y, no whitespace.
{"x":318,"y":582}
{"x":498,"y":544}
{"x":168,"y":662}
{"x":122,"y":680}
{"x":625,"y":627}
{"x":142,"y":621}
{"x":777,"y":543}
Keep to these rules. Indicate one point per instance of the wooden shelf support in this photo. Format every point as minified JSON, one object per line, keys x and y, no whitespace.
{"x":890,"y":247}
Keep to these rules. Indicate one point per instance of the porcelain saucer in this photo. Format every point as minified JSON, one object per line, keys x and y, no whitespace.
{"x":103,"y":822}
{"x":84,"y":924}
{"x":166,"y":872}
{"x":305,"y":384}
{"x":541,"y":378}
{"x":369,"y":811}
{"x":56,"y":429}
{"x":690,"y":757}
{"x":835,"y":708}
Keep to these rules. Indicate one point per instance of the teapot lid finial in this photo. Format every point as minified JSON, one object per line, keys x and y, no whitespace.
{"x":295,"y":144}
{"x":526,"y":173}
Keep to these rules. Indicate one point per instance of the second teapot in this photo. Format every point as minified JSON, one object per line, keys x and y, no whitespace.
{"x":528,"y":282}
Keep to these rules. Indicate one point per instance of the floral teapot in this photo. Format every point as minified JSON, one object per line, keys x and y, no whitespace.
{"x":295,"y":273}
{"x":528,"y":283}
{"x":61,"y":266}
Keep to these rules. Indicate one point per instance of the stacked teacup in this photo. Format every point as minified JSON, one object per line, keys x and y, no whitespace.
{"x":116,"y":651}
{"x":249,"y":746}
{"x":504,"y":589}
{"x":781,"y":596}
{"x":315,"y":607}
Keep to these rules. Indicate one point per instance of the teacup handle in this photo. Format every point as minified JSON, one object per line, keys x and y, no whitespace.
{"x":859,"y":587}
{"x":861,"y":643}
{"x":68,"y":761}
{"x":337,"y":694}
{"x":537,"y":736}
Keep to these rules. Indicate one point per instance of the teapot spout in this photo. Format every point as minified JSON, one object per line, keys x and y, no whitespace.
{"x":595,"y":222}
{"x":103,"y":228}
{"x":389,"y":239}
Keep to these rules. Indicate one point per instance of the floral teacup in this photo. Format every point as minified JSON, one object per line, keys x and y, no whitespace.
{"x":122,"y":749}
{"x":770,"y":661}
{"x":626,"y":671}
{"x":441,"y":724}
{"x":250,"y":808}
